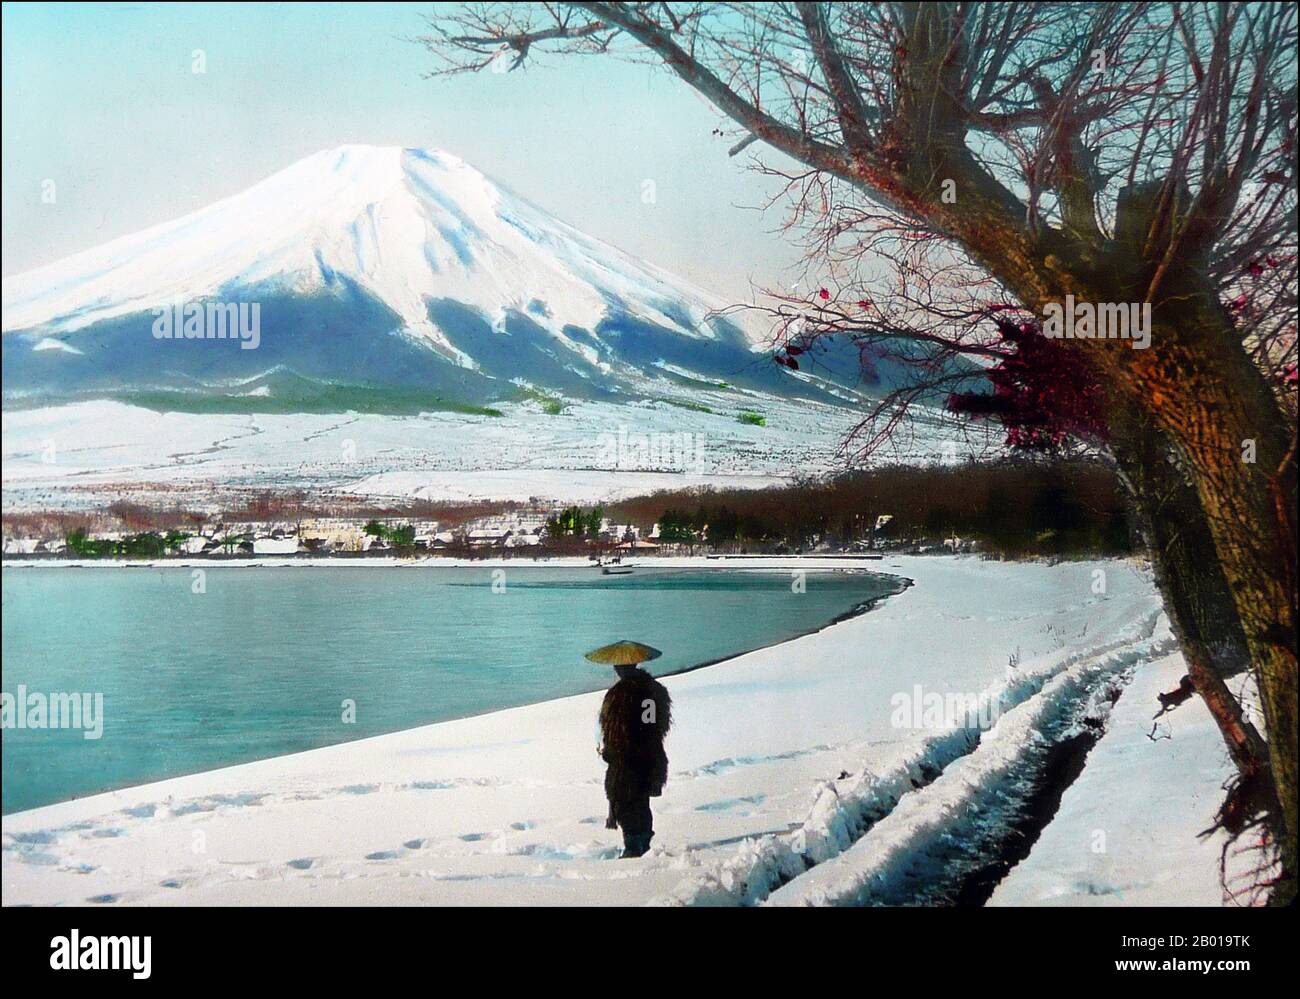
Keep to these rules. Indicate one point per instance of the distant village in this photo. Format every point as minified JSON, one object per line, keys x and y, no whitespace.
{"x":535,"y":533}
{"x":518,"y":533}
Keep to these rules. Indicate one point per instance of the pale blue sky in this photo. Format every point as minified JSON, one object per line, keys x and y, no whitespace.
{"x":102,"y":100}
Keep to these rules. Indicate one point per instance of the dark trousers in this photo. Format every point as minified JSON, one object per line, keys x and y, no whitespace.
{"x":629,"y":808}
{"x":638,"y":826}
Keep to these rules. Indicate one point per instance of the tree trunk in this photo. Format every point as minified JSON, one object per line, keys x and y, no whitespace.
{"x":1201,"y":610}
{"x":1213,"y":402}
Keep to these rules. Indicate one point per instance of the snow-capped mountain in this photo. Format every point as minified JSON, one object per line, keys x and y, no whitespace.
{"x":383,"y":278}
{"x":404,"y":224}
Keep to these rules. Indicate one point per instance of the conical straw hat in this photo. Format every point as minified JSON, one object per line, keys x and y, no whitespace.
{"x":623,"y":653}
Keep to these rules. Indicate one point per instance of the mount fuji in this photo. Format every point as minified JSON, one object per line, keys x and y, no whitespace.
{"x":386,"y":280}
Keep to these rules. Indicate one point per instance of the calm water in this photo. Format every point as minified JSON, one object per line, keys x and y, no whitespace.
{"x":260,"y":663}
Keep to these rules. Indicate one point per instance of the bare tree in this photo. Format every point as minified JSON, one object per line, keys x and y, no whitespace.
{"x":1137,"y":153}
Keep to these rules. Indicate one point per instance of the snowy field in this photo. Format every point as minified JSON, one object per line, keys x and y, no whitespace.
{"x":811,"y":772}
{"x":91,"y":453}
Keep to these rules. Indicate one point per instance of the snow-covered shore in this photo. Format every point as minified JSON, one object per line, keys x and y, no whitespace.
{"x":780,"y":758}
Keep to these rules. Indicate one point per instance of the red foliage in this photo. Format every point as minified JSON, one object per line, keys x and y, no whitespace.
{"x":1042,"y":394}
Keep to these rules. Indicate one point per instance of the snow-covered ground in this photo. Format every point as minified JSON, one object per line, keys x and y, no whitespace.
{"x":780,"y":760}
{"x":1112,"y":827}
{"x":91,"y":453}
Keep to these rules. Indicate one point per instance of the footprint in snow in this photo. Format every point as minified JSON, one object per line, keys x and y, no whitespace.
{"x":43,"y":837}
{"x":730,"y":803}
{"x":548,"y":851}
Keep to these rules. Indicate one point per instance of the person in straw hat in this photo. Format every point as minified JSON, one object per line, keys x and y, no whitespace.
{"x":634,"y":718}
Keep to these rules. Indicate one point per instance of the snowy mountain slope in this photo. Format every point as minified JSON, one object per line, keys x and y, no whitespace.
{"x":404,"y":224}
{"x":385,"y":270}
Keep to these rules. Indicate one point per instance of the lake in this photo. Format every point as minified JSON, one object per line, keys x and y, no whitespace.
{"x":264,"y":661}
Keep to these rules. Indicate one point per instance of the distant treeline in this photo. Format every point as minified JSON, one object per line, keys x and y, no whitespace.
{"x":575,"y":522}
{"x":147,"y":544}
{"x":1014,"y":509}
